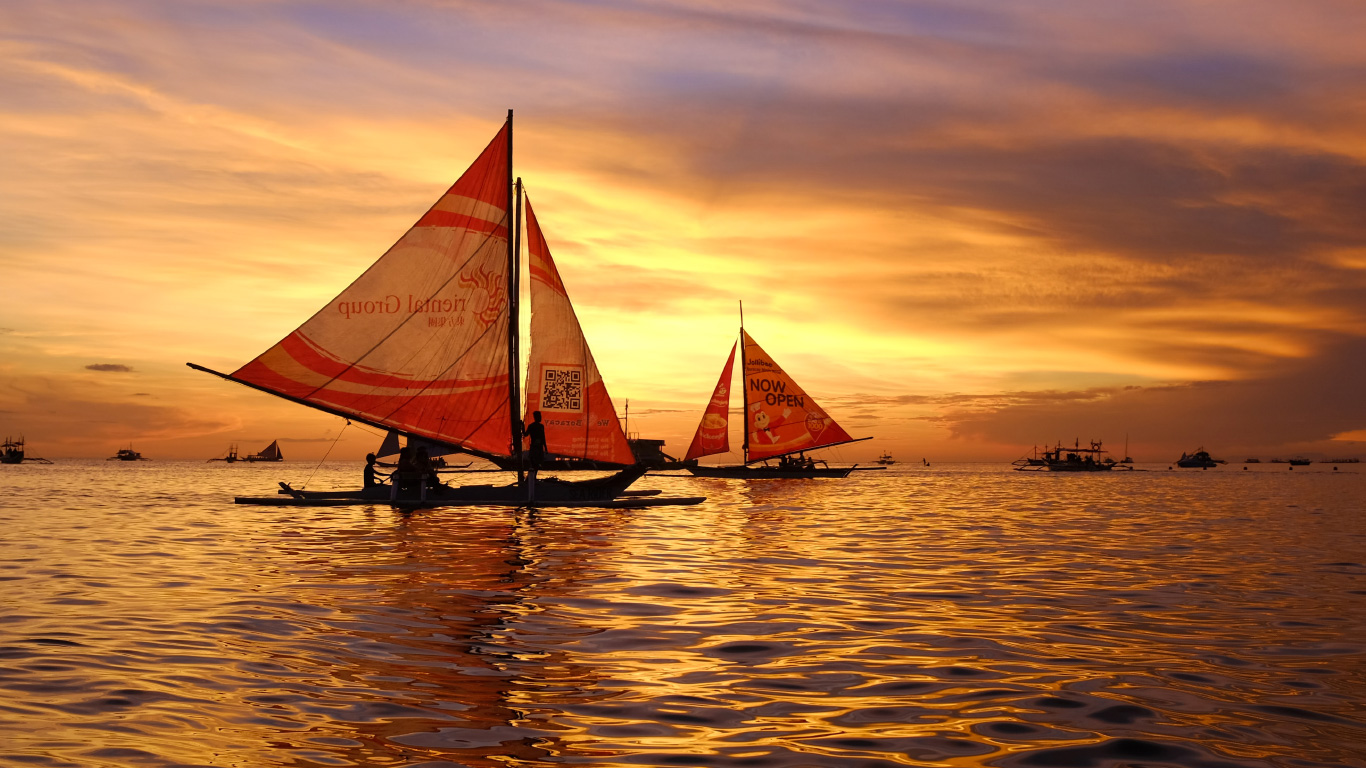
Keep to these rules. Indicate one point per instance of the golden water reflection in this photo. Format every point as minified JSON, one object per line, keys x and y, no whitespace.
{"x":959,"y":616}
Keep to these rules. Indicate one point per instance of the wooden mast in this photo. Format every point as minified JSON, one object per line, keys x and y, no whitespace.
{"x":744,"y":386}
{"x":514,"y":354}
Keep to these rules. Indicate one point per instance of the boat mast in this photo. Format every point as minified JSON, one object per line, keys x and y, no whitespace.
{"x":514,"y":354}
{"x":744,"y":386}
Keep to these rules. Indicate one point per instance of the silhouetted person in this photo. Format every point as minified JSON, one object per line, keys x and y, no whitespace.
{"x":372,"y":474}
{"x":404,"y":471}
{"x":535,"y":433}
{"x":423,"y":470}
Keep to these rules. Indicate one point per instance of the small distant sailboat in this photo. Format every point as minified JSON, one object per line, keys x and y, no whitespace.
{"x":425,"y":343}
{"x":12,"y":452}
{"x":269,"y":453}
{"x":781,"y":423}
{"x":127,"y":454}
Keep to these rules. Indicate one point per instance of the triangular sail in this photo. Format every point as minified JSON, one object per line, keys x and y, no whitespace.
{"x":563,"y":382}
{"x":390,"y":446}
{"x":779,"y":417}
{"x":417,"y":343}
{"x":272,"y":452}
{"x":712,"y":432}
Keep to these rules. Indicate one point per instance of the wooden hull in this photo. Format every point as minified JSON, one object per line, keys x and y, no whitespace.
{"x":742,"y":472}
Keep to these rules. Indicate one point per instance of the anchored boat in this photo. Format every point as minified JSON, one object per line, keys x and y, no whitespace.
{"x":12,"y":452}
{"x":781,"y":423}
{"x":127,"y":454}
{"x":1075,"y":459}
{"x":1200,"y":459}
{"x":425,"y":343}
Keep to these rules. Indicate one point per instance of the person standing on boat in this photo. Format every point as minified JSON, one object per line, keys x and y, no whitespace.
{"x":535,"y":432}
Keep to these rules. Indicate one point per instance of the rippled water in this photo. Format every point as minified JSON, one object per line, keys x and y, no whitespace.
{"x":953,"y":616}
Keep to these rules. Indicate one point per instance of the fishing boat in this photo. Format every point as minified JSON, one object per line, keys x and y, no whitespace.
{"x":12,"y":452}
{"x":1075,"y":459}
{"x":425,"y":343}
{"x":231,"y":457}
{"x":886,"y":459}
{"x":1200,"y":459}
{"x":269,"y":453}
{"x":127,"y":454}
{"x":781,"y":423}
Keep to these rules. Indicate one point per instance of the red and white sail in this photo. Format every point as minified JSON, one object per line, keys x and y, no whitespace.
{"x":562,"y":380}
{"x":712,"y":435}
{"x":779,"y":417}
{"x":419,"y":342}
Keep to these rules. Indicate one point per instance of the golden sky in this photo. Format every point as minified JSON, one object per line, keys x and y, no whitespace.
{"x":964,"y":227}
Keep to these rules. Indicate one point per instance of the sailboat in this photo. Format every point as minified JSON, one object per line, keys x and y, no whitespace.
{"x":269,"y":453}
{"x":425,"y":344}
{"x":781,"y":422}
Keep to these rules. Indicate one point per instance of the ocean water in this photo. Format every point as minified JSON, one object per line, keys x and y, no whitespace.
{"x":945,"y":616}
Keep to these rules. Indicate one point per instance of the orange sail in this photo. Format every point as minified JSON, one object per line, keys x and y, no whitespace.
{"x":712,"y":437}
{"x":779,"y":417}
{"x":417,"y":343}
{"x":562,"y":380}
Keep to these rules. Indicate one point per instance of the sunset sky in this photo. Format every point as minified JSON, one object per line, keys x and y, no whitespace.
{"x":964,"y":227}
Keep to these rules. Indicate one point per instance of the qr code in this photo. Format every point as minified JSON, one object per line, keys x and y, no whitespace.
{"x":562,"y":388}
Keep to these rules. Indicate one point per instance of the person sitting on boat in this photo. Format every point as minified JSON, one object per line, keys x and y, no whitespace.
{"x":422,"y":466}
{"x":535,"y":432}
{"x":373,"y":476}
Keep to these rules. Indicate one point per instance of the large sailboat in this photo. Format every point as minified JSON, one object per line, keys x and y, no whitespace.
{"x":425,"y":344}
{"x":781,"y":423}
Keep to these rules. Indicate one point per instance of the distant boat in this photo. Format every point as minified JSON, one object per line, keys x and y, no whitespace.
{"x":1075,"y":459}
{"x":12,"y":452}
{"x":1343,"y":461}
{"x":127,"y":454}
{"x":886,"y":459}
{"x":232,"y":456}
{"x":781,"y":423}
{"x":1200,"y":459}
{"x":1253,"y":461}
{"x":1299,"y":462}
{"x":426,"y":343}
{"x":269,"y":453}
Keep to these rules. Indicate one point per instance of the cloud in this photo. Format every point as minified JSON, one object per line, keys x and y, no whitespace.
{"x":1303,"y":404}
{"x":109,"y":368}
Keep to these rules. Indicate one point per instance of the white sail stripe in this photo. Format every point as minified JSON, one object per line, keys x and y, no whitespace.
{"x":314,"y":379}
{"x":468,"y":206}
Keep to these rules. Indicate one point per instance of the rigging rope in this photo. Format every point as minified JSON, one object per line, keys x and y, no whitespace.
{"x":325,"y":455}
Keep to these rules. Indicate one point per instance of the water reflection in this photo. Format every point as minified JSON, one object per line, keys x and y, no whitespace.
{"x":953,"y":616}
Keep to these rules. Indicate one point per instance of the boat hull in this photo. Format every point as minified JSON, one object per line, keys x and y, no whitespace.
{"x":742,"y":472}
{"x":549,"y":491}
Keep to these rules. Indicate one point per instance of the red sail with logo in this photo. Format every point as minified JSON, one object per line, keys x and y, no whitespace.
{"x":779,"y":417}
{"x":417,"y":343}
{"x":712,"y":432}
{"x":562,"y":380}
